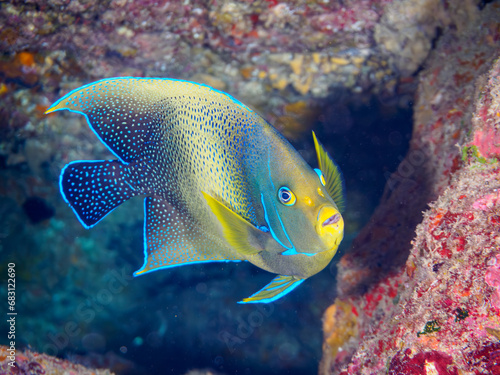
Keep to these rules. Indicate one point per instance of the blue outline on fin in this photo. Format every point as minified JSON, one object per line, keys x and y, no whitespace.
{"x":278,"y":296}
{"x":172,"y":265}
{"x":179,"y":265}
{"x":69,"y":204}
{"x":234,"y":100}
{"x":90,"y":126}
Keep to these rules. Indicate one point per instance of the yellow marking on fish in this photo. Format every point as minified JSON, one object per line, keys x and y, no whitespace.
{"x":308,"y":201}
{"x":219,"y":183}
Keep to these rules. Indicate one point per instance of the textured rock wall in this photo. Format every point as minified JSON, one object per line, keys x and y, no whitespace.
{"x":432,"y":306}
{"x":281,"y":57}
{"x":297,"y":47}
{"x":28,"y":362}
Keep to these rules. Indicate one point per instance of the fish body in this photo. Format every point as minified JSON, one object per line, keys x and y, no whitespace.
{"x":220,"y":183}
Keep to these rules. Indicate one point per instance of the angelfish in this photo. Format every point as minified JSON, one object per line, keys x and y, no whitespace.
{"x":220,"y":183}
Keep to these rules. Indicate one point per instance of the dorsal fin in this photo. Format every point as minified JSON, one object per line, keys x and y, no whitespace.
{"x":126,"y":112}
{"x":333,"y":176}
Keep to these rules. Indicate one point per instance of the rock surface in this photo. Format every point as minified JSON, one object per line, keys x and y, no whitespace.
{"x":298,"y":48}
{"x":29,"y":362}
{"x":432,"y":306}
{"x":301,"y":64}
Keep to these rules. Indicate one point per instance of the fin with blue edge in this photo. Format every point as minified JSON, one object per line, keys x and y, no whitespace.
{"x":128,"y":114}
{"x":239,"y":233}
{"x":95,"y":188}
{"x":172,"y":238}
{"x":121,"y":121}
{"x":334,"y":181}
{"x":280,"y":286}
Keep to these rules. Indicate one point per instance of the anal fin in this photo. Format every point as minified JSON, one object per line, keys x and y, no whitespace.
{"x":172,"y":239}
{"x":280,"y":286}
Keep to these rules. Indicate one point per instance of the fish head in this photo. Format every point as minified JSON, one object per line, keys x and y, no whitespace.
{"x":299,"y":212}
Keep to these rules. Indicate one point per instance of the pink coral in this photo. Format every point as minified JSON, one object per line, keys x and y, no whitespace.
{"x":486,"y":202}
{"x":422,"y":363}
{"x":492,"y":278}
{"x":443,"y":318}
{"x":29,"y":362}
{"x":488,"y":142}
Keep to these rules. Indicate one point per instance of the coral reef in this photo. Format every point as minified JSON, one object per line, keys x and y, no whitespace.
{"x":434,"y":309}
{"x":32,"y":363}
{"x":29,"y":362}
{"x":301,"y":63}
{"x":252,"y":46}
{"x":442,"y":120}
{"x":298,"y":48}
{"x":407,"y":29}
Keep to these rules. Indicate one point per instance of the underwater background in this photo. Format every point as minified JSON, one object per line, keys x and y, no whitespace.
{"x":389,"y":87}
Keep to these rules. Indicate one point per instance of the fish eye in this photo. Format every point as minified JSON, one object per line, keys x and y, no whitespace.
{"x":320,"y":175}
{"x":286,"y":196}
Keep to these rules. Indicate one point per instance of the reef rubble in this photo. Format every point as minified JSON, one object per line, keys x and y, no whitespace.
{"x":29,"y":362}
{"x":427,"y":301}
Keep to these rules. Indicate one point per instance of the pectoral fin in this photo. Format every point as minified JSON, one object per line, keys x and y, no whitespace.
{"x":239,"y":233}
{"x":334,"y":180}
{"x":276,"y":289}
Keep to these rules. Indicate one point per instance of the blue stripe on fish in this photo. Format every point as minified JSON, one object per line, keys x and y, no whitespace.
{"x":266,"y":218}
{"x":94,"y":188}
{"x":266,"y":295}
{"x":178,"y":143}
{"x":291,"y":249}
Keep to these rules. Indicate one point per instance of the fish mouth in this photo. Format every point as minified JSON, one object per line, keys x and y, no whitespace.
{"x":332,"y":220}
{"x":330,"y":226}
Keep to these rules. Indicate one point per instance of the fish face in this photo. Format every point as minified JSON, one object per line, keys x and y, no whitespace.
{"x":301,"y":215}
